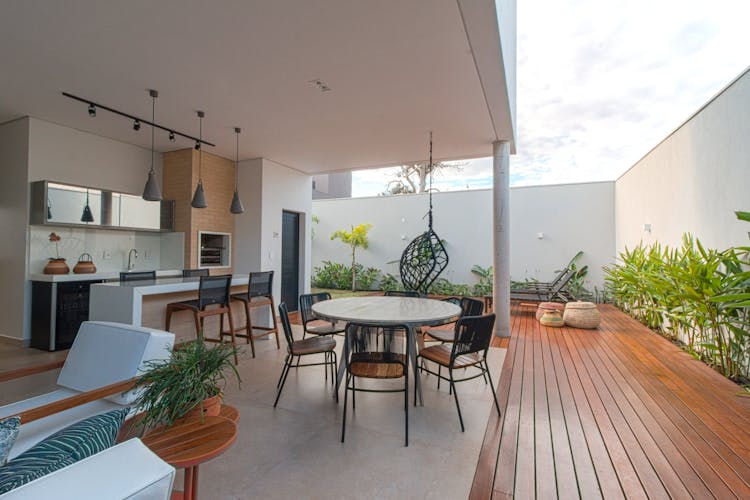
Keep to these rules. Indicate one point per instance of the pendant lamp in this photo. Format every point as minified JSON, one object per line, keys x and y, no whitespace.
{"x":199,"y":198}
{"x":236,"y":206}
{"x":152,"y":191}
{"x":87,"y":216}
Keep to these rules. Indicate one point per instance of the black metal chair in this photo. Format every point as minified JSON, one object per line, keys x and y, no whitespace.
{"x":376,"y":352}
{"x":310,"y":322}
{"x":259,"y":294}
{"x":212,"y":291}
{"x":468,"y":350}
{"x":469,"y":307}
{"x":403,"y":293}
{"x":194,"y":273}
{"x":138,"y":276}
{"x":299,"y":348}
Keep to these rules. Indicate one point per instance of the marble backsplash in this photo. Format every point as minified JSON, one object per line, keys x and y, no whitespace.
{"x":108,"y":249}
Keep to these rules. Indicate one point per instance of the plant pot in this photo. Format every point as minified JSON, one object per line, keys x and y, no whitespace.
{"x":211,"y":407}
{"x":56,"y":266}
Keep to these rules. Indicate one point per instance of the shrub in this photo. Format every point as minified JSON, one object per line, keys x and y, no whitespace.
{"x":339,"y":276}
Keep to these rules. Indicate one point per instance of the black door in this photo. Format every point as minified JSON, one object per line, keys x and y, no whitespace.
{"x":290,"y":259}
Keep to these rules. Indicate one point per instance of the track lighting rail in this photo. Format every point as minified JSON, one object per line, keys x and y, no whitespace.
{"x":134,"y":118}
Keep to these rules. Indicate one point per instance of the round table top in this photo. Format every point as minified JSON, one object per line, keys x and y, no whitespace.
{"x":192,"y":442}
{"x":386,"y":311}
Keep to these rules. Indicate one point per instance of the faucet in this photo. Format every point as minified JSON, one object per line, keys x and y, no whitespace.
{"x":132,"y":255}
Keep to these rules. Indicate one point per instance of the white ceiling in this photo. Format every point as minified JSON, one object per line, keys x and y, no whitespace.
{"x":397,"y":69}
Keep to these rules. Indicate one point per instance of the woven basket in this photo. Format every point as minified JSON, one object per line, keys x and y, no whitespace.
{"x":552,"y":318}
{"x":548,"y":306}
{"x":581,"y":315}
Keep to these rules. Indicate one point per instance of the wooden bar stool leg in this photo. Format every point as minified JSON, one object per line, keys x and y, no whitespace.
{"x":249,"y":324}
{"x":198,"y":325}
{"x":187,"y":491}
{"x":169,"y":318}
{"x":231,"y":331}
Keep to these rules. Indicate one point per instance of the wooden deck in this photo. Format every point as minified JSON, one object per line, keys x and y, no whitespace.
{"x":615,"y":412}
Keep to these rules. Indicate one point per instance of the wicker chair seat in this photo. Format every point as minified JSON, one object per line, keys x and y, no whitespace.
{"x":312,"y":345}
{"x":322,"y":327}
{"x":377,"y":365}
{"x":441,"y":354}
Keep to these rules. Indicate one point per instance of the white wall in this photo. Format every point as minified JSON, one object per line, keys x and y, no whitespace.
{"x":694,"y":180}
{"x":285,"y":189}
{"x":571,"y":217}
{"x":68,"y":155}
{"x":267,"y":189}
{"x":14,"y":146}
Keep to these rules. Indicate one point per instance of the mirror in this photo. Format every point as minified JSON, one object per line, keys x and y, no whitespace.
{"x":57,"y":203}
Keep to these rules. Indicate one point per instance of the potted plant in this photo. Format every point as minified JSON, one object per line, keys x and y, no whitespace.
{"x":56,"y":264}
{"x":189,"y":382}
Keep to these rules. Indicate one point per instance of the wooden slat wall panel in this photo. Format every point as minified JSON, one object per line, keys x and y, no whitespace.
{"x":613,"y":412}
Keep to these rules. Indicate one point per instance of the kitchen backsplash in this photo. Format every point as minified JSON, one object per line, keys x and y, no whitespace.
{"x":108,"y":249}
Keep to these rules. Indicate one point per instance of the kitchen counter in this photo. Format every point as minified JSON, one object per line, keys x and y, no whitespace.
{"x":143,"y":303}
{"x":104,"y":275}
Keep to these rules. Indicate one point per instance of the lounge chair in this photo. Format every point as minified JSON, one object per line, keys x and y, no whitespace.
{"x":542,"y":294}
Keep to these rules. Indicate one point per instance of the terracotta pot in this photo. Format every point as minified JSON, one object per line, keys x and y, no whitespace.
{"x":211,"y":407}
{"x":56,"y":266}
{"x":85,"y":265}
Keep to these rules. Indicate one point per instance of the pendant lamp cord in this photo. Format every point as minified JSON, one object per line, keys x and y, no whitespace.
{"x":429,"y":167}
{"x":236,"y":159}
{"x":200,"y":151}
{"x":153,"y":129}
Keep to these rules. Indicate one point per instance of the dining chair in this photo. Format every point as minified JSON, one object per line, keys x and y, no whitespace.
{"x":469,"y":307}
{"x":310,"y":322}
{"x":299,"y":348}
{"x":212,"y":291}
{"x":138,"y":276}
{"x":471,"y":342}
{"x":259,"y":294}
{"x":375,"y":352}
{"x":194,"y":273}
{"x":403,"y":293}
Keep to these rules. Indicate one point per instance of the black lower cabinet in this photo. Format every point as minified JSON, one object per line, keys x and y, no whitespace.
{"x":57,"y":311}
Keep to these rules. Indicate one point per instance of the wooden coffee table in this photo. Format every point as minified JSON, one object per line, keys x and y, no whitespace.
{"x":189,"y":443}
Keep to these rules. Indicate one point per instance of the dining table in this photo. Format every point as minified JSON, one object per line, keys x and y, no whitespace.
{"x":409,"y":312}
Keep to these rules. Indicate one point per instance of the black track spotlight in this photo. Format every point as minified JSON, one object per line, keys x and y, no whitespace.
{"x":137,"y":125}
{"x":171,"y":136}
{"x":197,"y":145}
{"x":92,"y":110}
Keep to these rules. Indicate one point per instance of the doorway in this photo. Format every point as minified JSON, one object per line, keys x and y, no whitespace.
{"x":290,"y":259}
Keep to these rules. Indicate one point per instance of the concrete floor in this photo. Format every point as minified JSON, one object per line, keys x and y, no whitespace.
{"x":294,"y":450}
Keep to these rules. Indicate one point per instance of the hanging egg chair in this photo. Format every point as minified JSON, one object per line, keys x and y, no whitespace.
{"x":425,"y":258}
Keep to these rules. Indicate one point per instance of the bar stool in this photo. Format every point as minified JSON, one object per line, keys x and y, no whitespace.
{"x":259,"y":294}
{"x":212,"y":290}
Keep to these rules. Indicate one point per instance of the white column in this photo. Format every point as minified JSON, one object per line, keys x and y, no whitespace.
{"x":501,"y":235}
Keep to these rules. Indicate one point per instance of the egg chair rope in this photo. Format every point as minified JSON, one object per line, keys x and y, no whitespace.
{"x":425,"y":257}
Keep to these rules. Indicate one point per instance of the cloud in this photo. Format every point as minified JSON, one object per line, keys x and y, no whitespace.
{"x":601,"y":83}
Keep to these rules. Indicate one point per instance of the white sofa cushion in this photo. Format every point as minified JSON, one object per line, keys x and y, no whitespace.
{"x":128,"y":470}
{"x":104,"y":353}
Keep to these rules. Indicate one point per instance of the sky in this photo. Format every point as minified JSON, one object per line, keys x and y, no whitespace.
{"x":601,"y":82}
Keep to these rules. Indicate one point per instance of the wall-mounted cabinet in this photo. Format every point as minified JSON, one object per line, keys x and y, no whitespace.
{"x":214,"y":249}
{"x":58,"y":204}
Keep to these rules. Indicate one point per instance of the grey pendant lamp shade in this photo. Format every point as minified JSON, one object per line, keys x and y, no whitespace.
{"x":236,"y":206}
{"x":152,"y":190}
{"x":199,"y":198}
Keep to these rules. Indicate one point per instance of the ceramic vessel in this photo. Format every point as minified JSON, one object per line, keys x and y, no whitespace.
{"x":211,"y":407}
{"x":85,"y":265}
{"x":56,"y":266}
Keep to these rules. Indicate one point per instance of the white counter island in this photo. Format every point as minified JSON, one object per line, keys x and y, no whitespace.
{"x":144,"y":303}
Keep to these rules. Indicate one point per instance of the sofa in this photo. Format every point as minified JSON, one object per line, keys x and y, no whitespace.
{"x":102,"y":354}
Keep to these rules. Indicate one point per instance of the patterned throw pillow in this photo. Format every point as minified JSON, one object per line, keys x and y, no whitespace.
{"x":8,"y":434}
{"x":65,"y":447}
